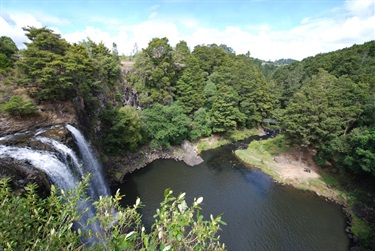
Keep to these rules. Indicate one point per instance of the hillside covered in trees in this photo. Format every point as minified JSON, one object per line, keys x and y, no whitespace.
{"x":325,"y":103}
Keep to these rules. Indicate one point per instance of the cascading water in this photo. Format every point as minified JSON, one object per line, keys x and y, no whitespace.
{"x":91,"y":164}
{"x":56,"y":170}
{"x":62,"y":166}
{"x":69,"y":158}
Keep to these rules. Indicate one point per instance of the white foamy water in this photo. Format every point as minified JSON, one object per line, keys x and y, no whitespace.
{"x":56,"y":170}
{"x":91,"y":164}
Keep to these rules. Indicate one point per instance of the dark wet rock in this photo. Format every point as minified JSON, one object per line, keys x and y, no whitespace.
{"x":22,"y":173}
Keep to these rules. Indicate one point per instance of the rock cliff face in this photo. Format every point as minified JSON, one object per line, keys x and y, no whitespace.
{"x":49,"y":114}
{"x":117,"y":168}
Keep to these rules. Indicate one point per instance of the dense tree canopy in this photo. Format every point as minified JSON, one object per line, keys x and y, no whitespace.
{"x":166,"y":125}
{"x":327,"y":102}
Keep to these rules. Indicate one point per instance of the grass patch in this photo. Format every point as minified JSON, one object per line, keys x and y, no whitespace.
{"x":330,"y":180}
{"x":211,"y":143}
{"x":237,"y":135}
{"x":361,"y":230}
{"x":261,"y":151}
{"x":215,"y":141}
{"x":264,"y":149}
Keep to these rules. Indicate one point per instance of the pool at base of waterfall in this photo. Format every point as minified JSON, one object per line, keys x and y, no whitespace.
{"x":260,"y":214}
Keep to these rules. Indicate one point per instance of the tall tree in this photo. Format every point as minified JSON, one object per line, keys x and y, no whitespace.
{"x":190,"y":87}
{"x":181,"y":53}
{"x":320,"y":111}
{"x":42,"y":64}
{"x":154,"y":74}
{"x":225,"y":114}
{"x":256,"y":101}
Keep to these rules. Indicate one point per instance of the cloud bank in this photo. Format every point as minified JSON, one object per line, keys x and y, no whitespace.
{"x":353,"y":22}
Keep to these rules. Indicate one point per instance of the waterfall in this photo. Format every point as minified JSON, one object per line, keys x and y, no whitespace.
{"x":56,"y":170}
{"x":91,"y":164}
{"x":62,"y":166}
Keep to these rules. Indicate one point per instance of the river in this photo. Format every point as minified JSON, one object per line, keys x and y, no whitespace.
{"x":260,"y":214}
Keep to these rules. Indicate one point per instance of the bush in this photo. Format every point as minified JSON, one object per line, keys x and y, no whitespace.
{"x":28,"y":222}
{"x":17,"y":106}
{"x":5,"y":62}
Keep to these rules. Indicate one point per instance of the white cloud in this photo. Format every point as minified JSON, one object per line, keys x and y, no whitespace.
{"x":49,"y":20}
{"x":363,"y":8}
{"x":152,"y":15}
{"x":351,"y":23}
{"x":11,"y":26}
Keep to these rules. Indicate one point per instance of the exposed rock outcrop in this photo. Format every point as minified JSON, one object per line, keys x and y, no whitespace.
{"x":22,"y":173}
{"x":116,"y":168}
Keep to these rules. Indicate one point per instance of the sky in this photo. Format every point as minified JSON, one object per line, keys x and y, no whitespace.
{"x":269,"y":29}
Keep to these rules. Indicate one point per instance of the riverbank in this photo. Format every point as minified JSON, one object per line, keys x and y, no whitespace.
{"x":296,"y":167}
{"x":290,"y":166}
{"x":188,"y":152}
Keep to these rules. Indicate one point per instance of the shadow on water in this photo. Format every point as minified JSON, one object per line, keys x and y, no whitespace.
{"x":260,"y":214}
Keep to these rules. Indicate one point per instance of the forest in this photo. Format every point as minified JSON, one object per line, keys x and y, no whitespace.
{"x":326,"y":102}
{"x":171,"y":94}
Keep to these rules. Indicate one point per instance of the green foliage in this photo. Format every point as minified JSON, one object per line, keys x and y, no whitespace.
{"x":180,"y":227}
{"x":154,"y":74}
{"x":210,"y":57}
{"x":361,"y":230}
{"x":181,"y":53}
{"x":59,"y":71}
{"x":105,"y":62}
{"x":17,"y":106}
{"x":201,"y":125}
{"x":225,"y":113}
{"x":166,"y":125}
{"x":7,"y":47}
{"x":321,"y":111}
{"x":190,"y":87}
{"x":256,"y":100}
{"x":5,"y":62}
{"x":125,"y":130}
{"x":43,"y":64}
{"x":357,"y":62}
{"x":354,"y":151}
{"x":29,"y":222}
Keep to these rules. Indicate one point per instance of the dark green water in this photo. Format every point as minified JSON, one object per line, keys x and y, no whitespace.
{"x":260,"y":214}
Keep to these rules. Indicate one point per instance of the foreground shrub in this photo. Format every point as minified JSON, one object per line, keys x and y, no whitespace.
{"x":28,"y":222}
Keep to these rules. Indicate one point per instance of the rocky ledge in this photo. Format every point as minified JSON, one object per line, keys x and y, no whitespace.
{"x":117,"y":167}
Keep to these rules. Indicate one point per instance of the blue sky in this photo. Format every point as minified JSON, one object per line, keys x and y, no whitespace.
{"x":269,"y":29}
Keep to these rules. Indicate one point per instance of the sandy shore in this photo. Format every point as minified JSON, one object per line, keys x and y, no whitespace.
{"x":293,"y":168}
